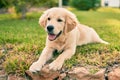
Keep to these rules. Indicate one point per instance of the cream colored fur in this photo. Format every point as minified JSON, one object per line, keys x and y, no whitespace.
{"x":73,"y":34}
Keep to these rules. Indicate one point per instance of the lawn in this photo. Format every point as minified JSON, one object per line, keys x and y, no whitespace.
{"x":21,"y":41}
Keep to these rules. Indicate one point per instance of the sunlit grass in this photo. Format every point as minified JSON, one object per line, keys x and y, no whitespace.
{"x":109,"y":9}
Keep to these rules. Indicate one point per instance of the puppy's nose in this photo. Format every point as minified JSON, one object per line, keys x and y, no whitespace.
{"x":50,"y":28}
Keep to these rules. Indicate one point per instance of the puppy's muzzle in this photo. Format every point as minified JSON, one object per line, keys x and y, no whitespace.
{"x":50,"y":28}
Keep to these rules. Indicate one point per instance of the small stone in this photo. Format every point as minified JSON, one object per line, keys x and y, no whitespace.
{"x":62,"y":76}
{"x":114,"y":75}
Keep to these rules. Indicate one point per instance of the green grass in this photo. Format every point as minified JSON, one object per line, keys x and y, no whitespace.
{"x":21,"y":41}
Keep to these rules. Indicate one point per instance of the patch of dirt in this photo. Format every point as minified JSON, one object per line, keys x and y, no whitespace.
{"x":3,"y":75}
{"x":77,"y":73}
{"x":14,"y":77}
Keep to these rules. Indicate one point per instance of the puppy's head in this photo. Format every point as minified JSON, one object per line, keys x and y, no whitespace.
{"x":57,"y":21}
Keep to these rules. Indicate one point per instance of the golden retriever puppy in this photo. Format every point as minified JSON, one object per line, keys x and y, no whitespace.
{"x":64,"y":34}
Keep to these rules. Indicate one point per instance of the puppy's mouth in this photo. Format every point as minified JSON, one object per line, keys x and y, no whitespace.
{"x":52,"y":36}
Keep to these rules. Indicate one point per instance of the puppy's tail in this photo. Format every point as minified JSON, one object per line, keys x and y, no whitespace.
{"x":104,"y":42}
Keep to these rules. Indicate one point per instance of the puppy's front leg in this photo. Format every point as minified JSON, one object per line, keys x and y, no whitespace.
{"x":45,"y":56}
{"x":57,"y":64}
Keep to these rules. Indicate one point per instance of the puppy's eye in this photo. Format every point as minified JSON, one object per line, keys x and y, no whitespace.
{"x":59,"y":20}
{"x":48,"y":19}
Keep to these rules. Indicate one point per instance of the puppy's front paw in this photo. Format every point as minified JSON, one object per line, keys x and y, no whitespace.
{"x":55,"y":66}
{"x":35,"y":67}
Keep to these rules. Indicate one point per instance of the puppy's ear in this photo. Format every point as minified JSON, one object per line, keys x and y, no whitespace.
{"x":71,"y":22}
{"x":43,"y":19}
